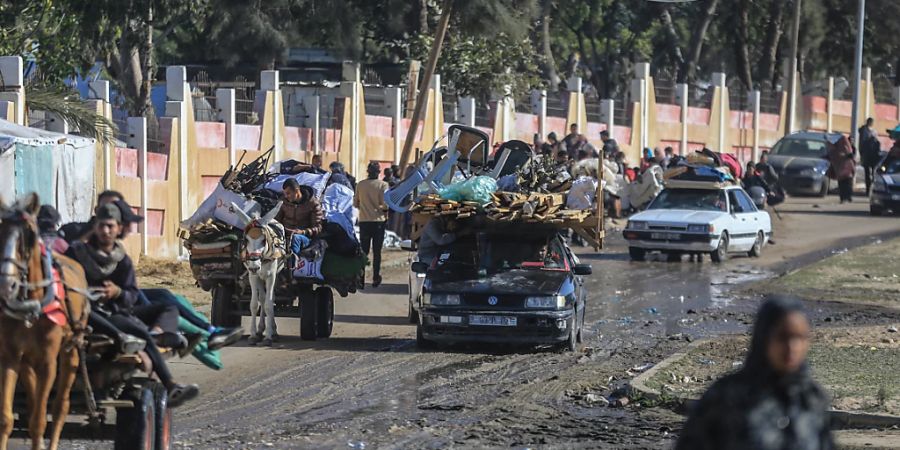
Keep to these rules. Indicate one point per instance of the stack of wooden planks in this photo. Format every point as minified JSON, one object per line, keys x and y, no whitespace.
{"x":434,"y":205}
{"x":532,"y":208}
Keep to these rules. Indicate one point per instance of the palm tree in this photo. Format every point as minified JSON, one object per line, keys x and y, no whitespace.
{"x":67,"y":104}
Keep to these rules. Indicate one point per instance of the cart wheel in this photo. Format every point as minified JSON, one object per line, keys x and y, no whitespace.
{"x":163,"y":426}
{"x":325,"y":299}
{"x":136,"y":426}
{"x":223,"y":300}
{"x":308,"y":315}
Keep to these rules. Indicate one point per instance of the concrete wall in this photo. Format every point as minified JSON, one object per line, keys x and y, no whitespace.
{"x":167,"y":187}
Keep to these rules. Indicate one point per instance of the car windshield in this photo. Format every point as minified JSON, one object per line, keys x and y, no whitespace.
{"x":493,"y":253}
{"x":693,"y":199}
{"x":808,"y":148}
{"x":891,"y":166}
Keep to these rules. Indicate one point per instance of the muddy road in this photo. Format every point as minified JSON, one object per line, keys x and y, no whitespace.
{"x":370,"y":387}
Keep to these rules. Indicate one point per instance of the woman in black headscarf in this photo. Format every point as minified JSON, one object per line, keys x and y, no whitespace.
{"x":771,"y":402}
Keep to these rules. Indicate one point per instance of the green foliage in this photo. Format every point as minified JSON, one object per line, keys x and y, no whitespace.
{"x":42,"y":31}
{"x":67,"y":104}
{"x":482,"y":66}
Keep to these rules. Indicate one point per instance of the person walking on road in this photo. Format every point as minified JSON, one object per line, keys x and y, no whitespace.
{"x":772,"y":402}
{"x":843,"y":166}
{"x":369,"y":199}
{"x":869,"y":151}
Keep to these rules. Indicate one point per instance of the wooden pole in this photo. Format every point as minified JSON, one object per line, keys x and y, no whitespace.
{"x":430,"y":66}
{"x":793,"y":89}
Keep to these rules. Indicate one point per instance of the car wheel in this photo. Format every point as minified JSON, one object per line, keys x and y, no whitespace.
{"x":325,"y":311}
{"x":309,"y":315}
{"x":756,"y":250}
{"x":823,"y":191}
{"x":875,"y":210}
{"x":412,"y":315}
{"x":637,"y":254}
{"x":421,"y":342}
{"x":721,"y":252}
{"x":571,"y":344}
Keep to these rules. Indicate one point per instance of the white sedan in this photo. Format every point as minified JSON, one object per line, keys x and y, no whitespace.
{"x":695,"y":221}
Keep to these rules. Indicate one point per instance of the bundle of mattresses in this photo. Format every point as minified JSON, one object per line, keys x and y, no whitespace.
{"x":703,"y":170}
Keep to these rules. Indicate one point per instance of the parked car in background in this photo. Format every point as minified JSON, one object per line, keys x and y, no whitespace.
{"x":698,"y":221}
{"x":886,"y":188}
{"x":799,"y":160}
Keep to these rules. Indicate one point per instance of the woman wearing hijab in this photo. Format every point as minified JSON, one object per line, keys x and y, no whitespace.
{"x":843,"y":166}
{"x":772,"y":402}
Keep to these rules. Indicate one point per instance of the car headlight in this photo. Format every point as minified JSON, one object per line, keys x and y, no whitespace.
{"x":813,"y":171}
{"x":550,"y":301}
{"x":637,"y":225}
{"x":441,"y":299}
{"x":698,"y":228}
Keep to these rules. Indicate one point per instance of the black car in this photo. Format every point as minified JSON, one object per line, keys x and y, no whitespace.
{"x":799,"y":160}
{"x":505,"y":287}
{"x":886,"y":188}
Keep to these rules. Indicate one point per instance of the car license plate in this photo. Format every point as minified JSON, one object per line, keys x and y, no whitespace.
{"x":496,"y":321}
{"x":665,"y":236}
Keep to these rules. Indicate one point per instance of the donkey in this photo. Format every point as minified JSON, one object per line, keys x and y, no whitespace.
{"x":263,"y":256}
{"x":44,"y":313}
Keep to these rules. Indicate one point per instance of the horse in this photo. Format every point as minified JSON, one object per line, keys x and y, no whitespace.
{"x":44,"y":314}
{"x":263,"y":256}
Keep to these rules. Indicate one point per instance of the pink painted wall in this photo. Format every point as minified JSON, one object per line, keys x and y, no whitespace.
{"x":331,"y":140}
{"x":126,"y":162}
{"x":668,"y":113}
{"x":885,"y":112}
{"x":842,"y":108}
{"x":381,"y":126}
{"x":155,"y":220}
{"x":622,"y":135}
{"x":209,"y":184}
{"x":769,"y":121}
{"x":526,"y":127}
{"x":815,"y":104}
{"x":157,"y":166}
{"x":210,"y":134}
{"x":698,"y":116}
{"x":741,"y":119}
{"x":404,"y":129}
{"x":593,"y":133}
{"x":557,"y":125}
{"x":246,"y":137}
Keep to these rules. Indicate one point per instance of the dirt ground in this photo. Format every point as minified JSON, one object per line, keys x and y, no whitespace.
{"x":856,"y":365}
{"x":370,"y":387}
{"x":173,"y":275}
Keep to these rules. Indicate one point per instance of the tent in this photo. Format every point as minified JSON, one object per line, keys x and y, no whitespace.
{"x":58,"y":167}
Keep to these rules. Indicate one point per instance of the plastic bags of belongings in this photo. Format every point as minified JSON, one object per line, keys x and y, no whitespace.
{"x":475,"y":189}
{"x":313,"y":180}
{"x":582,"y":193}
{"x":646,"y":187}
{"x":337,"y":206}
{"x":218,"y":206}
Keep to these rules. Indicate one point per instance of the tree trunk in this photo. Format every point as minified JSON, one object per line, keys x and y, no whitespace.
{"x":548,"y":64}
{"x":423,"y":16}
{"x":769,"y":62}
{"x":672,"y":35}
{"x":699,"y":35}
{"x":742,"y":50}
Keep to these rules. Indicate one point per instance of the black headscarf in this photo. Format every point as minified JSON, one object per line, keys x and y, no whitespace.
{"x":756,"y":366}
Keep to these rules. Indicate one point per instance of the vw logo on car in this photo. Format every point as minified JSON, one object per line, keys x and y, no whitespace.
{"x":492,"y":300}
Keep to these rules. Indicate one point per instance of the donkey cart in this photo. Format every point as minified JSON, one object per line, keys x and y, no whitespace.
{"x":218,"y":268}
{"x":113,"y":399}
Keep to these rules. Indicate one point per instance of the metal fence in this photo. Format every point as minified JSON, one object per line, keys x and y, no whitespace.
{"x":770,"y":101}
{"x":665,"y":89}
{"x":884,"y":87}
{"x":203,"y":91}
{"x":375,"y":100}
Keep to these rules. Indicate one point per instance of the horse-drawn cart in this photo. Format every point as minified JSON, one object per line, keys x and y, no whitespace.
{"x":122,"y":402}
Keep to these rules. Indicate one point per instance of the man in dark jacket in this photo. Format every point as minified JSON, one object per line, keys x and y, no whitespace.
{"x":110,"y":274}
{"x":300,"y":214}
{"x":869,"y":151}
{"x":338,"y":176}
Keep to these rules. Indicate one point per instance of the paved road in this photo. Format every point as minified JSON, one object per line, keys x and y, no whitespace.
{"x":368,"y":386}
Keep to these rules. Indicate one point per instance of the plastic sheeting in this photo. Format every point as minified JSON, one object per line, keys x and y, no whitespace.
{"x":315,"y":181}
{"x":337,"y":204}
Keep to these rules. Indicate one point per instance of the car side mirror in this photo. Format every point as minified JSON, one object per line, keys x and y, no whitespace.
{"x":582,"y":269}
{"x":407,"y":245}
{"x":419,"y":267}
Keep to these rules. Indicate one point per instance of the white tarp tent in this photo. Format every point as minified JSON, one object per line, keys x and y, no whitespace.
{"x":59,"y":167}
